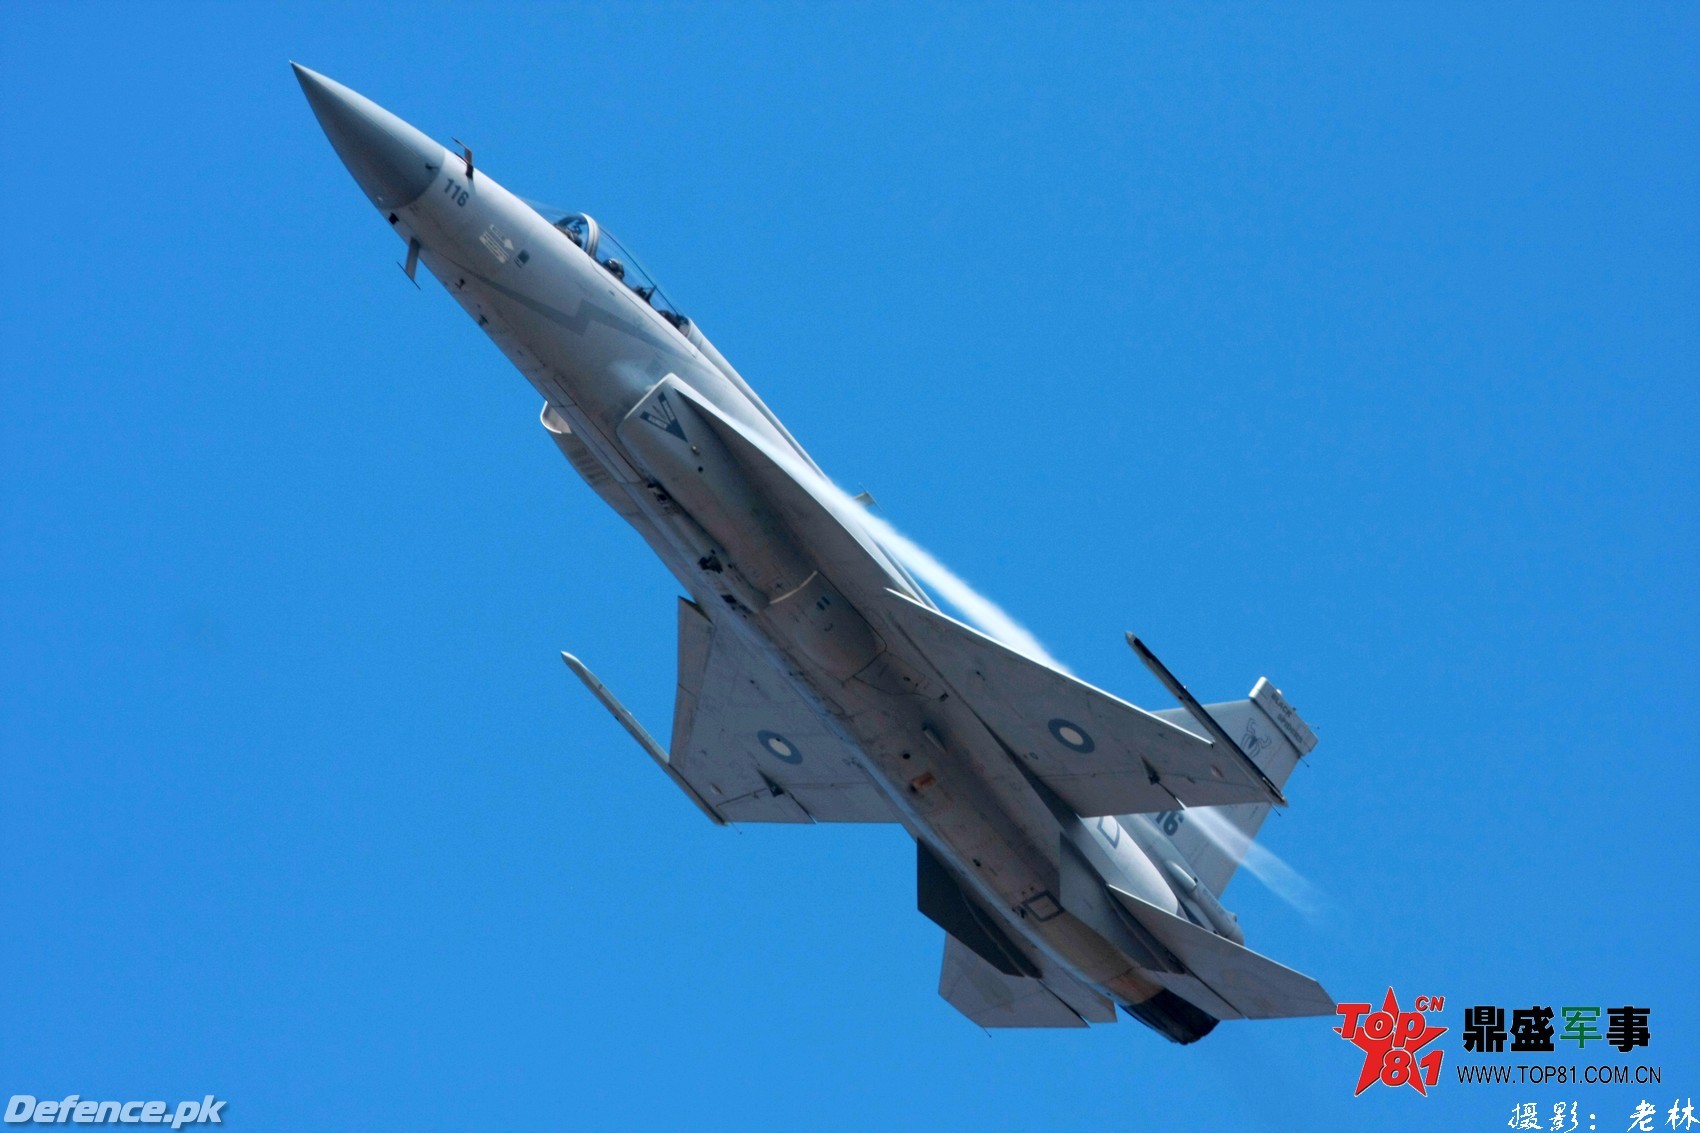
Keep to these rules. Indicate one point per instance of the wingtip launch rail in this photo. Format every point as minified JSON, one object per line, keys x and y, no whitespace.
{"x":638,"y":732}
{"x":1205,"y":720}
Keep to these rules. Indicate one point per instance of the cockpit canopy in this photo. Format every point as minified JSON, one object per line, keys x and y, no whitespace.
{"x":602,"y":246}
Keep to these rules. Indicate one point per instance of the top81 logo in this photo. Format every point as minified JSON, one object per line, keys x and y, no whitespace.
{"x":1390,"y":1039}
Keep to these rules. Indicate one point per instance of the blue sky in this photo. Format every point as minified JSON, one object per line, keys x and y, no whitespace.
{"x":1354,"y":345}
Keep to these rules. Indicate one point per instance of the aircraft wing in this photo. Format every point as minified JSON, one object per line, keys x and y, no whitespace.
{"x":1101,"y":755}
{"x":748,"y":743}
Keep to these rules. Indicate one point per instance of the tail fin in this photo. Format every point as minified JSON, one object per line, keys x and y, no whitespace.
{"x":1215,"y":839}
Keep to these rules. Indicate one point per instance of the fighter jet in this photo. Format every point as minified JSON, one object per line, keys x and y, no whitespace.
{"x":1071,"y":845}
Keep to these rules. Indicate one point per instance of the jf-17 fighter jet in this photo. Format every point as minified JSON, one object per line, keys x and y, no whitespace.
{"x":1071,"y":845}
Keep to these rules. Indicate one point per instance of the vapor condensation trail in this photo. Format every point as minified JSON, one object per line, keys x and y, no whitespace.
{"x":976,"y":607}
{"x":1276,"y":875}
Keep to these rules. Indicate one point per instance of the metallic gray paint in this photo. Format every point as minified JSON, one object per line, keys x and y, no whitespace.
{"x":393,"y":162}
{"x":800,"y":625}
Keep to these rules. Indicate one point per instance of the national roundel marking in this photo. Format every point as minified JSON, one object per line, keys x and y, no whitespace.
{"x":779,"y":747}
{"x":1071,"y":736}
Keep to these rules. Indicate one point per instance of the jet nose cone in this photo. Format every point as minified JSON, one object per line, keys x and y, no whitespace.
{"x":391,"y":160}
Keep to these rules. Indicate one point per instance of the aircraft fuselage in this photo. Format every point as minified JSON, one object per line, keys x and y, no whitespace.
{"x":598,"y":352}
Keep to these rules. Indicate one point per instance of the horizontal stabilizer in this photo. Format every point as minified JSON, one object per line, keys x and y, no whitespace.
{"x":992,"y":999}
{"x":1222,"y":974}
{"x":1100,"y":754}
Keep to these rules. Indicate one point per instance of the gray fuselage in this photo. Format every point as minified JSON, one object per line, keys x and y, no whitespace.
{"x":594,"y":349}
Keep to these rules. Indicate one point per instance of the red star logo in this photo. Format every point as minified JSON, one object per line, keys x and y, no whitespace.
{"x":1390,"y":1029}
